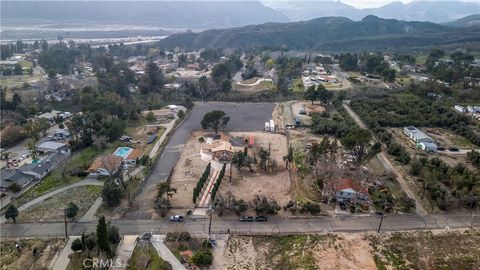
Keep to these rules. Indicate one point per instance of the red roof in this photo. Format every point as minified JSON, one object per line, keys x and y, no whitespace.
{"x":346,"y":183}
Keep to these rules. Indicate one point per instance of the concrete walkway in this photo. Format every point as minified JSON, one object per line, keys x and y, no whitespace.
{"x":165,"y":253}
{"x":90,"y":215}
{"x":168,"y":127}
{"x":125,"y":250}
{"x":63,"y":260}
{"x":206,"y":196}
{"x":85,"y":182}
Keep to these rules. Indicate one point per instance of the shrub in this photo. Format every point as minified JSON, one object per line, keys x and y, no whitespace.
{"x":77,"y":245}
{"x":312,"y":208}
{"x":15,"y":187}
{"x":113,"y":235}
{"x":202,"y":257}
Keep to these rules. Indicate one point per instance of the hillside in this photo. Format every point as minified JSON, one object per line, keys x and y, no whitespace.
{"x":174,"y":14}
{"x":438,"y":11}
{"x":472,"y":20}
{"x":329,"y":33}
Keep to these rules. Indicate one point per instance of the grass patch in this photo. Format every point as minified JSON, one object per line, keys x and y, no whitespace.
{"x":146,"y":257}
{"x":297,"y":85}
{"x":25,"y":64}
{"x":425,"y":250}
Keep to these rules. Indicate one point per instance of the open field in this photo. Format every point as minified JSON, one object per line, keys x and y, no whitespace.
{"x":52,"y":209}
{"x":244,"y":184}
{"x":33,"y":253}
{"x":422,"y":250}
{"x":273,"y":184}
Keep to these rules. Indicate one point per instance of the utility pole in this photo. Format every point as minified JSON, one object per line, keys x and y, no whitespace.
{"x":210,"y":213}
{"x":381,"y":221}
{"x":66,"y":223}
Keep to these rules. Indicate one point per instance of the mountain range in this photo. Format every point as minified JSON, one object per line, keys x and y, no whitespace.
{"x":332,"y":34}
{"x":191,"y":14}
{"x":432,"y":11}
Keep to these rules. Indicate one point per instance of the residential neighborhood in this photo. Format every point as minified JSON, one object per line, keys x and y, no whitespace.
{"x":239,"y":135}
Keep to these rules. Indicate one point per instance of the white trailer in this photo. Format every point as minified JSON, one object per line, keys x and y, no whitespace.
{"x":267,"y":126}
{"x":272,"y":125}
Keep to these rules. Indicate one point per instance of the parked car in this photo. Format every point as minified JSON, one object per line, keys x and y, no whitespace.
{"x":453,"y":149}
{"x":342,"y":205}
{"x":441,"y":149}
{"x":261,"y":219}
{"x":176,"y":218}
{"x":246,"y":219}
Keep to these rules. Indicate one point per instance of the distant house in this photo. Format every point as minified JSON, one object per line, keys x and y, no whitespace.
{"x":53,"y":147}
{"x":222,"y":151}
{"x":348,"y":190}
{"x":428,"y":147}
{"x":8,"y":177}
{"x":50,"y":116}
{"x":422,"y":140}
{"x":40,"y":169}
{"x":135,"y":154}
{"x":105,"y":166}
{"x":460,"y":108}
{"x":61,"y":134}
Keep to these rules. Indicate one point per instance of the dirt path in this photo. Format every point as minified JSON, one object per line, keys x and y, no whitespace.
{"x":389,"y":167}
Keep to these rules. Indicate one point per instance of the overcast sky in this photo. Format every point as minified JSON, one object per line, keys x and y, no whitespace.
{"x":369,"y":3}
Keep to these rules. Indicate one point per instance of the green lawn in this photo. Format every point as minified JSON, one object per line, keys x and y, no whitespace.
{"x":420,"y":59}
{"x":298,"y":86}
{"x":25,"y":64}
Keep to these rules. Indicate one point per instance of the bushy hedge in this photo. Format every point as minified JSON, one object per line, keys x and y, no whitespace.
{"x":201,"y":183}
{"x":218,"y":182}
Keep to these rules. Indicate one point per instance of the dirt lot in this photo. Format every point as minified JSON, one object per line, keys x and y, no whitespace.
{"x":52,"y":208}
{"x":412,"y":250}
{"x":10,"y":258}
{"x":305,"y":119}
{"x":297,"y":252}
{"x":244,"y":184}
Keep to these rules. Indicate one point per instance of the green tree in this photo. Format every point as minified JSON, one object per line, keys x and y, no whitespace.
{"x":288,"y":158}
{"x":215,"y":119}
{"x":14,"y":187}
{"x":113,"y":235}
{"x":112,"y":193}
{"x":102,"y":235}
{"x":18,"y":70}
{"x":71,"y":211}
{"x":324,"y":95}
{"x":77,"y":245}
{"x":202,"y":257}
{"x":311,"y":94}
{"x":357,"y":142}
{"x":12,"y":212}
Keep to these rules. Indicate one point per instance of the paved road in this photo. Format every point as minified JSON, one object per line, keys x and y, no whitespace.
{"x":389,"y":167}
{"x":273,"y":226}
{"x":243,"y":116}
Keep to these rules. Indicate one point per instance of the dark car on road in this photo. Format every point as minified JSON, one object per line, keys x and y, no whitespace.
{"x":261,"y":219}
{"x":453,"y":149}
{"x":246,"y":219}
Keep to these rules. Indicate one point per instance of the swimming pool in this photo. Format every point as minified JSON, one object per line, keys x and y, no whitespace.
{"x":122,"y":151}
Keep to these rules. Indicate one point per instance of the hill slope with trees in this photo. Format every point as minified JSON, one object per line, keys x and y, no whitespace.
{"x":329,"y":33}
